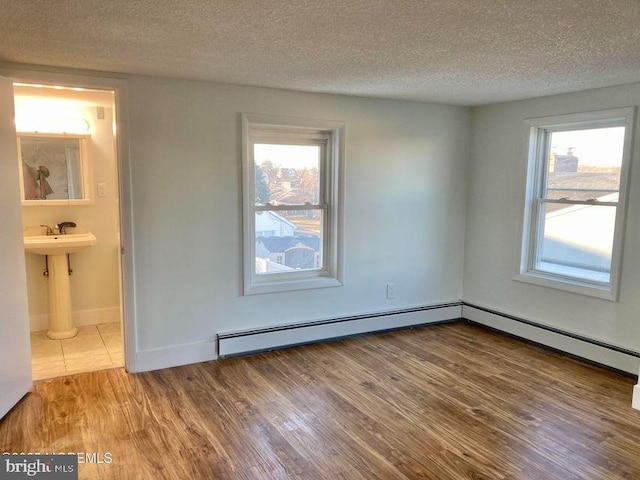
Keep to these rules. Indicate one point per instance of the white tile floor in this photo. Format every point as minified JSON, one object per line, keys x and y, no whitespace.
{"x":96,"y":347}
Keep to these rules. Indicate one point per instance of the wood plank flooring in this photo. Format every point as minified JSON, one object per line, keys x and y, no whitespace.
{"x":451,"y":401}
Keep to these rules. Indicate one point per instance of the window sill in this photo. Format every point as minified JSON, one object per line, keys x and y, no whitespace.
{"x":258,"y":288}
{"x":567,"y":285}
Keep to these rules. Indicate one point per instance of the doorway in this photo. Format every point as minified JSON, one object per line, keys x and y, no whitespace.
{"x":68,"y":160}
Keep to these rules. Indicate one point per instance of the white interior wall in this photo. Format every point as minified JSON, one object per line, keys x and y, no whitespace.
{"x":406,"y":202}
{"x":497,"y":174}
{"x":95,"y":283}
{"x":406,"y":167}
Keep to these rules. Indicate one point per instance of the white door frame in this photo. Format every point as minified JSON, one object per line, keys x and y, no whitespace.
{"x":98,"y":80}
{"x":15,"y":349}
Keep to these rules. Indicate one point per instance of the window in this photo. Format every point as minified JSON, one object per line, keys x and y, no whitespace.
{"x":575,"y":201}
{"x":292,"y":180}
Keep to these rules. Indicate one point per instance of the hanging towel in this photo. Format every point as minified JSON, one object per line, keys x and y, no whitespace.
{"x":30,"y":175}
{"x":45,"y":188}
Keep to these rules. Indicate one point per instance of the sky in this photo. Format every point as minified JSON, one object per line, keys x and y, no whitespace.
{"x":601,"y":147}
{"x":287,"y":156}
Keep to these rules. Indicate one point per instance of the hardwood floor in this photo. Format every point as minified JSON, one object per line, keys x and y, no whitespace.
{"x":452,"y":401}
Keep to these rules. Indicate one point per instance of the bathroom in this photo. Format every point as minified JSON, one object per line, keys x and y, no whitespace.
{"x":85,"y":194}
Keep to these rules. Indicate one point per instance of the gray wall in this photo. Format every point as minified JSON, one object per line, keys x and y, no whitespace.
{"x":419,"y":179}
{"x":406,"y":170}
{"x":494,"y":218}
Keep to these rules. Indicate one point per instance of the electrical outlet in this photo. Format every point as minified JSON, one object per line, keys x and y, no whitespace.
{"x":102,"y":189}
{"x":391,"y":290}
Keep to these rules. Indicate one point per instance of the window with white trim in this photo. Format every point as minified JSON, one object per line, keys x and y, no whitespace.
{"x":575,"y":201}
{"x":292,"y":177}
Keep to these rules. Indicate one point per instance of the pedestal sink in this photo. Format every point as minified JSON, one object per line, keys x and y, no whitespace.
{"x":56,"y":248}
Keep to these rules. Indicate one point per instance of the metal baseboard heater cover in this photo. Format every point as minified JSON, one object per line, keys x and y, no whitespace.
{"x":270,"y":338}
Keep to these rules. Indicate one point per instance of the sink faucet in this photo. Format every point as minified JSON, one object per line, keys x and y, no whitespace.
{"x":49,"y":231}
{"x":62,"y":226}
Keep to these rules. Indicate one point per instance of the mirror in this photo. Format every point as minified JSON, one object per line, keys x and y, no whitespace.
{"x":53,"y":169}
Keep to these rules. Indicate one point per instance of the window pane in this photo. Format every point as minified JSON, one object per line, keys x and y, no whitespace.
{"x":585,"y":164}
{"x":288,"y":241}
{"x":287,"y":174}
{"x":577,"y":241}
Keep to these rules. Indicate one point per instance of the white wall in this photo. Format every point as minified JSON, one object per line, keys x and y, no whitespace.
{"x":95,"y":287}
{"x":406,"y":167}
{"x":407,"y":211}
{"x":494,"y":214}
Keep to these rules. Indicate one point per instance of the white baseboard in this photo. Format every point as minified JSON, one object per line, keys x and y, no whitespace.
{"x":636,"y":397}
{"x":243,"y":342}
{"x":589,"y":349}
{"x":38,"y":323}
{"x":174,"y":356}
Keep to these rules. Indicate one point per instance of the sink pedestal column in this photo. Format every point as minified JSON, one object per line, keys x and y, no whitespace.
{"x":60,"y":313}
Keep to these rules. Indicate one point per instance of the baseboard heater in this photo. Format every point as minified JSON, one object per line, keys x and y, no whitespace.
{"x":263,"y":339}
{"x":595,"y":351}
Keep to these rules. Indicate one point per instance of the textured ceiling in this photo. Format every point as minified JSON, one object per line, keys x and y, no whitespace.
{"x":464,"y":52}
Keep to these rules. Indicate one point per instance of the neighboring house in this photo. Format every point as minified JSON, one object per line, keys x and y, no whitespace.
{"x":264,"y":265}
{"x":564,"y":163}
{"x":583,"y":185}
{"x":270,"y":224}
{"x":297,"y":252}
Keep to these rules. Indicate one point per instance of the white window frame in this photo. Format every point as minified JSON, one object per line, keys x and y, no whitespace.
{"x":539,"y":131}
{"x":262,"y":128}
